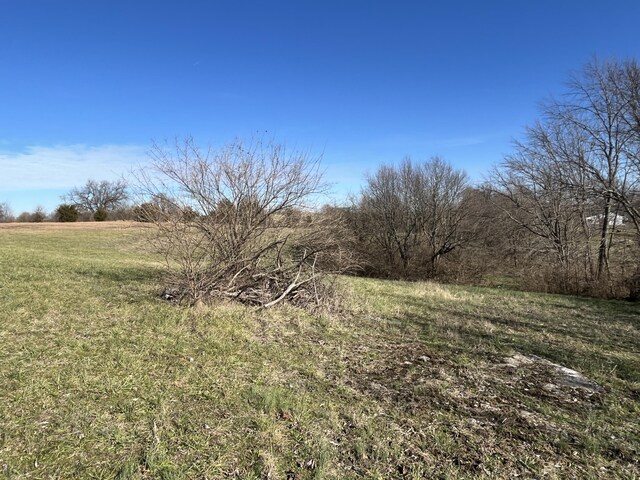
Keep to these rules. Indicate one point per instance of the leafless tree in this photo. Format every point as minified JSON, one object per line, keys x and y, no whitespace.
{"x":600,"y":111}
{"x":390,"y":212}
{"x":39,"y":215}
{"x":412,"y":214}
{"x":443,"y":207}
{"x":224,"y":226}
{"x":627,"y":88}
{"x":577,"y":168}
{"x":97,"y":196}
{"x":5,"y":212}
{"x":533,"y":182}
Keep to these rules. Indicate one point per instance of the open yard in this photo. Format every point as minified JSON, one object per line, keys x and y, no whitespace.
{"x":100,"y":378}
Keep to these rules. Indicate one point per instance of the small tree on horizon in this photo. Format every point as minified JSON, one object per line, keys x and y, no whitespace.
{"x":5,"y":212}
{"x":39,"y":215}
{"x":67,"y":213}
{"x":100,"y":215}
{"x":98,"y":198}
{"x":408,"y":217}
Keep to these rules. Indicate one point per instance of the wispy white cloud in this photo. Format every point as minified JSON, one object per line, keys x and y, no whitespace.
{"x":64,"y":166}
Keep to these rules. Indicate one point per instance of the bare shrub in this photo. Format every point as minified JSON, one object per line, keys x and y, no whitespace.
{"x":39,"y":215}
{"x":228,"y":223}
{"x":409,"y":218}
{"x":6,"y":214}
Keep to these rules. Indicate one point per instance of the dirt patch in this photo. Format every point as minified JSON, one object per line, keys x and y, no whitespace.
{"x":460,"y":410}
{"x":414,"y":379}
{"x":560,"y":376}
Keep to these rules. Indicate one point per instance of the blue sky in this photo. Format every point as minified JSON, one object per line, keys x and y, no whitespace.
{"x":86,"y":86}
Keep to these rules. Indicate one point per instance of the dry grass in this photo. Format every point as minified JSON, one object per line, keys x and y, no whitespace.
{"x":101,"y":379}
{"x":101,"y":226}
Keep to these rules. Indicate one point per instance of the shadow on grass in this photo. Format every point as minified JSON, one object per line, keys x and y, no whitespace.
{"x":603,"y":336}
{"x":122,"y":274}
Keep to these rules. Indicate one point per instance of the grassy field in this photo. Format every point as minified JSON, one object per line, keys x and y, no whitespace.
{"x":99,"y":378}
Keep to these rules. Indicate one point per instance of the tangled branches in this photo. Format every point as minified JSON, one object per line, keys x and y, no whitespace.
{"x":236,"y":223}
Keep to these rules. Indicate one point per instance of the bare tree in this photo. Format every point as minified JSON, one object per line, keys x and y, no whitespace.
{"x":39,"y":214}
{"x":412,"y":214}
{"x":223,"y":224}
{"x":97,"y":196}
{"x":443,"y":207}
{"x":599,"y":111}
{"x":627,"y":87}
{"x":389,"y":208}
{"x":577,"y":169}
{"x":6,"y":214}
{"x":533,"y":181}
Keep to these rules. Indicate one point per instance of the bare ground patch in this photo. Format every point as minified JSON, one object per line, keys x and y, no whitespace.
{"x":482,"y":418}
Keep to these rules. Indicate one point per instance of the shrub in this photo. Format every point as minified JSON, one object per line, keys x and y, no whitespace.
{"x":146,"y":212}
{"x":100,"y":215}
{"x":221,"y":223}
{"x":67,"y":213}
{"x":39,"y":215}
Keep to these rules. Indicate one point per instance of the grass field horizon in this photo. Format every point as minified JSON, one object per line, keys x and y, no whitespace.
{"x":100,"y":378}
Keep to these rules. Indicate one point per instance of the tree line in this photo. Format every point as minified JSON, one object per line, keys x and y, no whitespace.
{"x":560,"y":213}
{"x":96,"y":200}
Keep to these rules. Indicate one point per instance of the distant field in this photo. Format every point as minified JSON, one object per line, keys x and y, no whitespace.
{"x":101,"y":379}
{"x":34,"y":227}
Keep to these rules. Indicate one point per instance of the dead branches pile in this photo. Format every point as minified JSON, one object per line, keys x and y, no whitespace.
{"x":237,"y":224}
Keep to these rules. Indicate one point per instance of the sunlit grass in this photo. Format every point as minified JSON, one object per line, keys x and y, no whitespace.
{"x":99,"y":378}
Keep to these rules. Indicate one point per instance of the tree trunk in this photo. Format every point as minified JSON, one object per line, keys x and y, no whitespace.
{"x":603,"y":249}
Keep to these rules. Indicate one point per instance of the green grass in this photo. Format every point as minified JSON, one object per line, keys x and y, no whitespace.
{"x":101,"y":379}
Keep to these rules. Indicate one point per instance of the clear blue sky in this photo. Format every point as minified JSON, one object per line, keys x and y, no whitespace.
{"x":85,"y":86}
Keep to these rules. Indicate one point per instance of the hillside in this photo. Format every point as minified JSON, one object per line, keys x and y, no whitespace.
{"x":99,"y":378}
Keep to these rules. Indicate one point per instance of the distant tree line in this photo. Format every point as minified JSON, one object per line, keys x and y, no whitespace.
{"x":95,"y":201}
{"x":37,"y":216}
